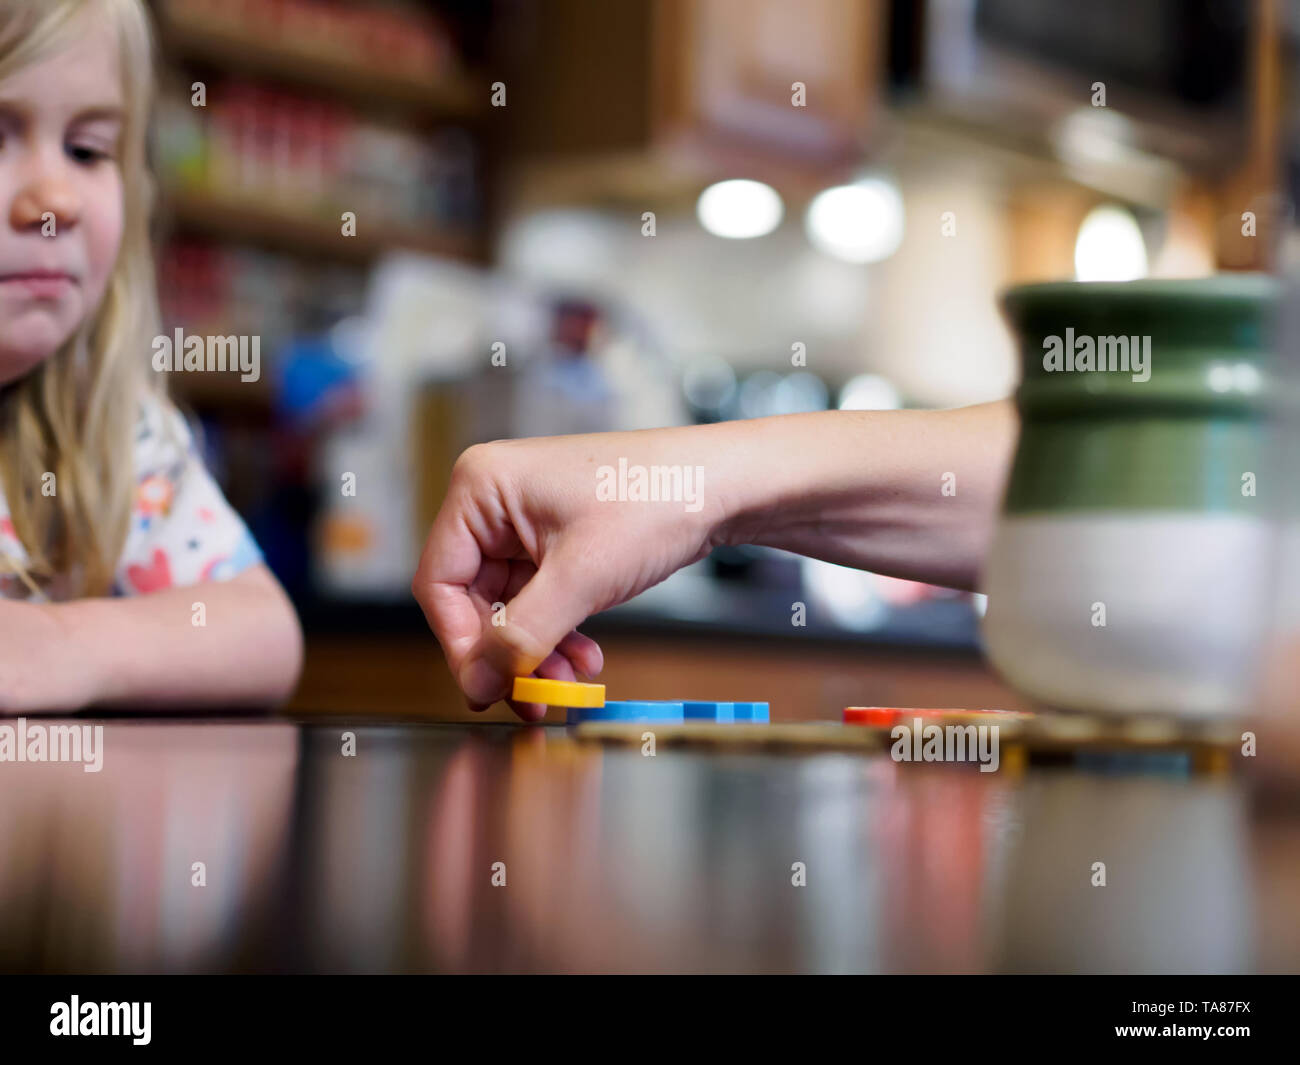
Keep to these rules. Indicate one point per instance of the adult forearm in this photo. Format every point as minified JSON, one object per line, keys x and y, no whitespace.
{"x":911,"y":494}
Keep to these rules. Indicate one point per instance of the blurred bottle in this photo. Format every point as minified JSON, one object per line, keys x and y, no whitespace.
{"x":307,"y":158}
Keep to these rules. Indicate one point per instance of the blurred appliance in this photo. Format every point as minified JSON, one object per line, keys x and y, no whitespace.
{"x":1020,"y":71}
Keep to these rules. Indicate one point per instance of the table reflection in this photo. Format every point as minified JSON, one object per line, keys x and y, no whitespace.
{"x":98,"y":869}
{"x":440,"y":848}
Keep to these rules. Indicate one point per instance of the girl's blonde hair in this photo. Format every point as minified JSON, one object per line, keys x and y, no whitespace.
{"x":75,"y":414}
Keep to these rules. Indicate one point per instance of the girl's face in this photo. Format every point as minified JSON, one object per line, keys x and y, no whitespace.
{"x":60,"y":195}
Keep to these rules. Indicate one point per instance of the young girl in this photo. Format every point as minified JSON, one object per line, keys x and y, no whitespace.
{"x":125,"y":577}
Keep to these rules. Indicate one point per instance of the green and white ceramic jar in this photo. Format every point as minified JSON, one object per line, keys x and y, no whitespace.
{"x":1131,"y":568}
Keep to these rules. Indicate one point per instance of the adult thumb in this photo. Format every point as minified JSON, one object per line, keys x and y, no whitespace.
{"x":561,"y":595}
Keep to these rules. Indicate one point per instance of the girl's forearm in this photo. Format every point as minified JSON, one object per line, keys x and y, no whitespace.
{"x":910,"y":494}
{"x":223,"y":643}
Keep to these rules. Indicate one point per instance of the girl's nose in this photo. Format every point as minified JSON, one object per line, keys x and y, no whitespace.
{"x":42,"y":198}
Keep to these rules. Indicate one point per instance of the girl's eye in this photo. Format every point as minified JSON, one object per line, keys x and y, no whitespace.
{"x":87,"y":155}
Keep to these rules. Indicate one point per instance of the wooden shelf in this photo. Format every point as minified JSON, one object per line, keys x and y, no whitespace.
{"x":237,"y":51}
{"x":254,"y":221}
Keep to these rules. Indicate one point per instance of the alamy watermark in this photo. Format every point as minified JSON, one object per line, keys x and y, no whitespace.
{"x":1081,"y":354}
{"x":102,"y":1018}
{"x":651,"y":484}
{"x":22,"y":742}
{"x":919,"y":742}
{"x":194,"y":354}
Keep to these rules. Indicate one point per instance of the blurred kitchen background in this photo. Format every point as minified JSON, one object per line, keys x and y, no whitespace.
{"x":501,"y":280}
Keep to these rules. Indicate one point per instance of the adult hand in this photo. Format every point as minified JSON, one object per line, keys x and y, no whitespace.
{"x":528,"y":544}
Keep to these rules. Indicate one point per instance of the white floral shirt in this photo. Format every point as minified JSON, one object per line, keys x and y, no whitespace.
{"x":182,"y":529}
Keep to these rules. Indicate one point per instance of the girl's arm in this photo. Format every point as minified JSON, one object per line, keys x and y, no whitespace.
{"x":555,"y":530}
{"x":151,"y":650}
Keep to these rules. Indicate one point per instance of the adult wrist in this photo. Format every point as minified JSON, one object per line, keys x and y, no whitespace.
{"x":752,"y":465}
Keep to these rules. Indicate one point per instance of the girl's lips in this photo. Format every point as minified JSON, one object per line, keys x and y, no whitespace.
{"x":40,"y":284}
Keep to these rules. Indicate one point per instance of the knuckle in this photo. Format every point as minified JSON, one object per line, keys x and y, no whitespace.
{"x":474,"y":462}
